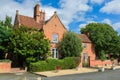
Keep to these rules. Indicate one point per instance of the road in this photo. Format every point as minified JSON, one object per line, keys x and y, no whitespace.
{"x":107,"y":75}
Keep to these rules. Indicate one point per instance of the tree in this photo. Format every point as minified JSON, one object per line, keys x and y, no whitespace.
{"x":29,"y":44}
{"x":8,"y":21}
{"x":103,"y":36}
{"x":5,"y":33}
{"x":70,"y":45}
{"x":102,"y":55}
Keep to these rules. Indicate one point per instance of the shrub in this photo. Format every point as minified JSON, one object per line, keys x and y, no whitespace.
{"x":69,"y":63}
{"x":38,"y":66}
{"x":51,"y":64}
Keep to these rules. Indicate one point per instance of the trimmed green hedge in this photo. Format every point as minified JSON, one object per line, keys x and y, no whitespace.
{"x":5,"y":60}
{"x":51,"y":64}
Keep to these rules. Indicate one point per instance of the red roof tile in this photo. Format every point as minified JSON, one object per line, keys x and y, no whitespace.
{"x":29,"y":22}
{"x":84,"y":38}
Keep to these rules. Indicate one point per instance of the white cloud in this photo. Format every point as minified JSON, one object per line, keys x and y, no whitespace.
{"x":97,"y":1}
{"x":111,"y":7}
{"x":9,"y":7}
{"x":69,"y":10}
{"x":82,"y":25}
{"x":49,"y":11}
{"x":108,"y":21}
{"x":73,"y":10}
{"x":116,"y":26}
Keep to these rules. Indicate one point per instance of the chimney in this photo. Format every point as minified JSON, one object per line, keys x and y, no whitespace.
{"x":87,"y":34}
{"x":17,"y":20}
{"x":17,"y":12}
{"x":37,"y":13}
{"x":42,"y":17}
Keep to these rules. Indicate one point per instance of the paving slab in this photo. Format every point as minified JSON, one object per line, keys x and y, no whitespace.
{"x":66,"y":72}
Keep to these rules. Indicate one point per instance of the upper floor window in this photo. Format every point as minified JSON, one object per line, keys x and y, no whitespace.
{"x":84,"y":45}
{"x":55,"y":38}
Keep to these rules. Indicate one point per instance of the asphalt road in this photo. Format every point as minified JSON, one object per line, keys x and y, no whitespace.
{"x":19,"y":76}
{"x":107,"y":75}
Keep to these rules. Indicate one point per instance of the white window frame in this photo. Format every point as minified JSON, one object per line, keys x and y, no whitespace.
{"x":84,"y":45}
{"x":55,"y":38}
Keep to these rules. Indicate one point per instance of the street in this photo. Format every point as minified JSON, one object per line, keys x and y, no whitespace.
{"x":107,"y":75}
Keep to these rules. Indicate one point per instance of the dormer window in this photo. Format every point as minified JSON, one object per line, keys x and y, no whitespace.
{"x":55,"y":38}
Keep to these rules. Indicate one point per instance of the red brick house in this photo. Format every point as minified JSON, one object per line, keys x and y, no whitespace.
{"x":88,"y":52}
{"x":54,"y":30}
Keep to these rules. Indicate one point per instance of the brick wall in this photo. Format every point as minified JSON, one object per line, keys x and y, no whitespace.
{"x":100,"y":63}
{"x":90,"y":52}
{"x":54,"y":26}
{"x":5,"y":67}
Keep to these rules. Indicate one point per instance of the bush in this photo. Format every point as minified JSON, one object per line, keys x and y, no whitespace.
{"x":52,"y":64}
{"x":38,"y":66}
{"x":69,"y":63}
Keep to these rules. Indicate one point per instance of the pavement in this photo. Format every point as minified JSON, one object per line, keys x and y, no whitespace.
{"x":107,"y":75}
{"x":66,"y":72}
{"x":71,"y":71}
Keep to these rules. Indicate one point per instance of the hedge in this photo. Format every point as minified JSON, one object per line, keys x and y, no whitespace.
{"x":5,"y":60}
{"x":51,"y":64}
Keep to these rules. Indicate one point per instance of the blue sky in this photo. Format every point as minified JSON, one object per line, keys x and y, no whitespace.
{"x":73,"y":13}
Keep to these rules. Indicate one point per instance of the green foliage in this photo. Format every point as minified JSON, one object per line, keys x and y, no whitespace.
{"x":70,"y":45}
{"x":112,"y":59}
{"x":102,"y":56}
{"x":5,"y":60}
{"x":8,"y":21}
{"x":29,"y":43}
{"x":51,"y":64}
{"x":104,"y":37}
{"x":5,"y":33}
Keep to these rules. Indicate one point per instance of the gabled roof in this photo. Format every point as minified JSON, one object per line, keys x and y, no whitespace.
{"x":84,"y":38}
{"x":29,"y":22}
{"x":55,"y":14}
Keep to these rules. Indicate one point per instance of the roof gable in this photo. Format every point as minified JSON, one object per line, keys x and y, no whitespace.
{"x":54,"y":16}
{"x":84,"y":38}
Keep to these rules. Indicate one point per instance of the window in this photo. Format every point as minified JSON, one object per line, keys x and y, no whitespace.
{"x":84,"y":45}
{"x":55,"y":38}
{"x":85,"y":56}
{"x":54,"y":52}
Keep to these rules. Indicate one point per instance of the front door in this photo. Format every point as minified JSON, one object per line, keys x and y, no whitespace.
{"x":86,"y":60}
{"x":54,"y":52}
{"x":85,"y":56}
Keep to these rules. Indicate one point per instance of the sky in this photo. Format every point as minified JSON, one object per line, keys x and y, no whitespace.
{"x":74,"y":14}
